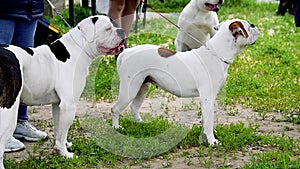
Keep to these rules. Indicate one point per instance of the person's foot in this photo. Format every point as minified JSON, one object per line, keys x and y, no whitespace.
{"x":25,"y":130}
{"x":13,"y":145}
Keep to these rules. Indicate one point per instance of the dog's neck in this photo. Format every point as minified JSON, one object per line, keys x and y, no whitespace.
{"x":75,"y":38}
{"x":224,"y":49}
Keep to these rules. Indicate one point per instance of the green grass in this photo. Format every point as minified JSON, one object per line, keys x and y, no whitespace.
{"x":281,"y":152}
{"x":264,"y":77}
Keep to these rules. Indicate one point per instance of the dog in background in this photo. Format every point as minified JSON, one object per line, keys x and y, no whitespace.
{"x":197,"y":19}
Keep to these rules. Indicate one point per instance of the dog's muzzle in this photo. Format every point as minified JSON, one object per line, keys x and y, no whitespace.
{"x":254,"y":34}
{"x":114,"y":51}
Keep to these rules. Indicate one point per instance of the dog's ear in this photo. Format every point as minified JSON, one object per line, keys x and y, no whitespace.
{"x":87,"y":28}
{"x":237,"y":28}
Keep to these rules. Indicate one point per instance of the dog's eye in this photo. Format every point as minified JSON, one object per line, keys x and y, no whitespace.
{"x":108,"y":29}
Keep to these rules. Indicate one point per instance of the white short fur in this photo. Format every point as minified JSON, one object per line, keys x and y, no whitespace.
{"x":199,"y":72}
{"x":48,"y":80}
{"x":197,"y":20}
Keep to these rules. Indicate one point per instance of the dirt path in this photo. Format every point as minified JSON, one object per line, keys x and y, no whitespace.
{"x":185,"y":114}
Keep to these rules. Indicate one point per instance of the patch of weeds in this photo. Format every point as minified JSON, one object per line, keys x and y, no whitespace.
{"x":236,"y":136}
{"x":142,"y":130}
{"x":193,"y":105}
{"x":232,"y":111}
{"x":192,"y":138}
{"x":273,"y":159}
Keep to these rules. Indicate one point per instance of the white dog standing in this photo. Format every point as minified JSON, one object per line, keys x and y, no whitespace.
{"x":199,"y":72}
{"x":197,"y":19}
{"x":53,"y":74}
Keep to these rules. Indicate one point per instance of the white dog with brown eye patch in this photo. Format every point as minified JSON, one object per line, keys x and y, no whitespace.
{"x":199,"y":72}
{"x":197,"y":19}
{"x":53,"y":74}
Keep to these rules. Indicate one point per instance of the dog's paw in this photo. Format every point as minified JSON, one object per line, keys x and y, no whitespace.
{"x":69,"y":155}
{"x":214,"y":143}
{"x":139,"y":120}
{"x":117,"y":127}
{"x":63,"y":152}
{"x":69,"y":144}
{"x":210,"y":140}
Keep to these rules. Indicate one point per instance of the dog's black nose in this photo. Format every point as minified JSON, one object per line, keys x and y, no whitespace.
{"x":221,"y":1}
{"x":252,"y":25}
{"x":121,"y":33}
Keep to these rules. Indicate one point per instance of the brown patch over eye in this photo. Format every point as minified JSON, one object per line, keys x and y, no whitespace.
{"x":236,"y":26}
{"x":164,"y":52}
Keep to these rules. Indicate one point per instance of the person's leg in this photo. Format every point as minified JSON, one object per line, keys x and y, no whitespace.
{"x":24,"y":37}
{"x":128,"y":15}
{"x":24,"y":33}
{"x":297,"y":14}
{"x":115,"y":10}
{"x":6,"y":35}
{"x":6,"y":31}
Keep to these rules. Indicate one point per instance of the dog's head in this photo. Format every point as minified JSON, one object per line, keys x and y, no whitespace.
{"x":242,"y":32}
{"x":107,"y":37}
{"x":210,"y":5}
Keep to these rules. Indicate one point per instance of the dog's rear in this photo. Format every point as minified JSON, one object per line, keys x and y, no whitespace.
{"x":10,"y":91}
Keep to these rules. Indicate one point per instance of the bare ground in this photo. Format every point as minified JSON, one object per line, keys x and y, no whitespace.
{"x":186,"y":113}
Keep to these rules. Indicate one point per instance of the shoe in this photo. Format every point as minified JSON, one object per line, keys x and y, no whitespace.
{"x":25,"y":130}
{"x":13,"y":145}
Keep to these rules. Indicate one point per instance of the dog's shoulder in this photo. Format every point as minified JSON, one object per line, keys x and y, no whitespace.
{"x":10,"y":78}
{"x":59,"y":50}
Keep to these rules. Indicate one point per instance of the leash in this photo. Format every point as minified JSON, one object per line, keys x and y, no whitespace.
{"x":191,"y":36}
{"x":59,"y":14}
{"x":70,"y":27}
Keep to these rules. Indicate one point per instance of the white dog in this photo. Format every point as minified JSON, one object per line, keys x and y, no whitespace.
{"x":197,"y":19}
{"x":199,"y":72}
{"x":53,"y":74}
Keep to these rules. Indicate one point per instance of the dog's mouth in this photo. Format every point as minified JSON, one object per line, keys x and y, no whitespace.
{"x":113,"y":51}
{"x":212,"y":7}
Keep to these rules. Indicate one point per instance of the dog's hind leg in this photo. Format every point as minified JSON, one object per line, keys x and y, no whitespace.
{"x":138,"y":100}
{"x":8,"y":122}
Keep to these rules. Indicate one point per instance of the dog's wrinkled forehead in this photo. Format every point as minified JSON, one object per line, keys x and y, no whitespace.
{"x":240,"y":29}
{"x":94,"y":24}
{"x":101,"y":21}
{"x":237,"y":26}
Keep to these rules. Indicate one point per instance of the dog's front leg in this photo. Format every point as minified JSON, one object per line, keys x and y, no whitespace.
{"x":207,"y":107}
{"x":63,"y":116}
